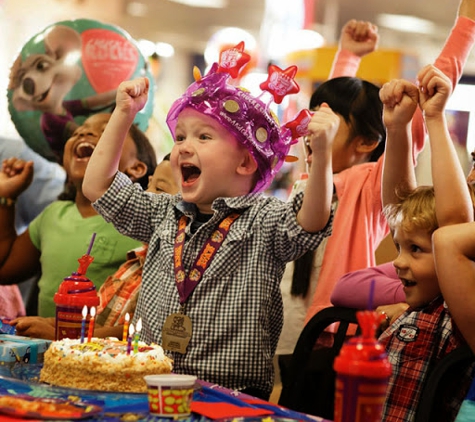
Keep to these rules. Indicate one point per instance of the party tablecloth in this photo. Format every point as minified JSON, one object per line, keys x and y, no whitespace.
{"x":210,"y":402}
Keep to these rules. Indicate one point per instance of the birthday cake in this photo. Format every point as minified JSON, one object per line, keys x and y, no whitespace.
{"x":103,"y":364}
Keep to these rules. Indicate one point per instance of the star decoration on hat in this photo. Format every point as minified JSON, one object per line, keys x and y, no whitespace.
{"x":233,"y":59}
{"x":280,"y":82}
{"x":299,"y":126}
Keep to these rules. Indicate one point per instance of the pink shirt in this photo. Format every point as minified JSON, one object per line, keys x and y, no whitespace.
{"x":359,"y":225}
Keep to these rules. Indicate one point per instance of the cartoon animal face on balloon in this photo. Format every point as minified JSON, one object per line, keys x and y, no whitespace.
{"x":41,"y":81}
{"x":68,"y":72}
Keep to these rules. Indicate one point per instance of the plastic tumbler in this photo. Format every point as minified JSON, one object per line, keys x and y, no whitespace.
{"x":170,"y":395}
{"x":75,"y":292}
{"x":362,"y":374}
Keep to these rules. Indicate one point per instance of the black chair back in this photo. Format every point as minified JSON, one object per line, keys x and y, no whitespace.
{"x":311,"y":385}
{"x":451,"y":374}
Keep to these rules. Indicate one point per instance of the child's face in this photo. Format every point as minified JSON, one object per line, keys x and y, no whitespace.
{"x":205,"y":160}
{"x":81,"y":144}
{"x":415,"y":266}
{"x":162,"y":180}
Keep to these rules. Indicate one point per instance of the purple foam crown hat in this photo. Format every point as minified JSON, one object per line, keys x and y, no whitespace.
{"x":248,"y":117}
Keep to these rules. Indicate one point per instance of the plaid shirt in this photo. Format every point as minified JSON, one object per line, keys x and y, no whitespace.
{"x":236,"y":309}
{"x":415,"y":342}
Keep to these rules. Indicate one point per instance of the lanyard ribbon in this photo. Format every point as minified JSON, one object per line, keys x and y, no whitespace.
{"x":187,"y":283}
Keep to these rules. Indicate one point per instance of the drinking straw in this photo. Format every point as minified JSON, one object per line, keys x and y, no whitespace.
{"x":371,"y":294}
{"x":91,"y":243}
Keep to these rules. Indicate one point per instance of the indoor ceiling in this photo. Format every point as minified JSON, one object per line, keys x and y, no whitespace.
{"x":191,"y":27}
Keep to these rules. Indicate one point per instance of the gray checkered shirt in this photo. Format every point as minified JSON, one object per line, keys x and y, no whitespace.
{"x":236,"y":309}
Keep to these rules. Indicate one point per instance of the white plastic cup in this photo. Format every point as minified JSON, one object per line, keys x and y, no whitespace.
{"x":170,"y":395}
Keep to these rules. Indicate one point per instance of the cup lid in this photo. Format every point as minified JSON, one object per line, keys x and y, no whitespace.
{"x":170,"y":379}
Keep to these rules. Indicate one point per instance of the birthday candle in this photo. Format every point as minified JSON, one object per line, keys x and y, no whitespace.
{"x":90,"y":332}
{"x":126,"y":327}
{"x":138,"y":327}
{"x":83,"y":325}
{"x":129,"y":338}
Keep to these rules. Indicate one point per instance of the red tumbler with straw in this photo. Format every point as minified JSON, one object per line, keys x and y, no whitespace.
{"x":75,"y":292}
{"x":362,"y":373}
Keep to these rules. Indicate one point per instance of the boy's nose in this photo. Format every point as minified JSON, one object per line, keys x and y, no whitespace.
{"x":399,"y":262}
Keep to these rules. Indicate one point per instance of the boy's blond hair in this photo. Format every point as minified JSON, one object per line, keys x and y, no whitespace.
{"x":414,"y":211}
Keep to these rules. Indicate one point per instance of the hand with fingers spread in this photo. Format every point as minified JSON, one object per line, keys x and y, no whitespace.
{"x":359,"y":37}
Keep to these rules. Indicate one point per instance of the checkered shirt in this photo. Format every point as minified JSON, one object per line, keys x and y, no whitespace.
{"x":236,"y":309}
{"x":415,"y":342}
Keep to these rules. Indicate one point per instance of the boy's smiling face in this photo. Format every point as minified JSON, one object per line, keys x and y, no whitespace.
{"x":415,"y":266}
{"x":208,"y":161}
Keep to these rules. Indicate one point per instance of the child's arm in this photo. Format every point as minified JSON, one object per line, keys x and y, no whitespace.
{"x":104,"y":162}
{"x":315,"y":211}
{"x":19,"y":258}
{"x":358,"y":38}
{"x":453,"y":203}
{"x":454,"y":252}
{"x":400,"y":100}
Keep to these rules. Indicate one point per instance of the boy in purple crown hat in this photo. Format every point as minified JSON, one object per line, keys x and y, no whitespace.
{"x":217,"y":251}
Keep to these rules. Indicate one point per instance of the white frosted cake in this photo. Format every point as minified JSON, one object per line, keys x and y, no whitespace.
{"x":102,"y":364}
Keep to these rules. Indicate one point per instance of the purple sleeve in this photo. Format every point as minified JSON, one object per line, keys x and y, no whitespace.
{"x":352,"y":289}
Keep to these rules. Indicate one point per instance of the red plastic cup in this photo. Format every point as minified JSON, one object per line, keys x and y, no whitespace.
{"x":363,"y":373}
{"x":73,"y":294}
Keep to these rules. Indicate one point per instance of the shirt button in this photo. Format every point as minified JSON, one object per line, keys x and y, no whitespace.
{"x":165,"y":232}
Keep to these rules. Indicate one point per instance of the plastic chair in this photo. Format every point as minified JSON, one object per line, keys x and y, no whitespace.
{"x":449,"y":374}
{"x":311,"y":385}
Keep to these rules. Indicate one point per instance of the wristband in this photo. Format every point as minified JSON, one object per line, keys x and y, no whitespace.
{"x":386,"y":316}
{"x":9,"y":202}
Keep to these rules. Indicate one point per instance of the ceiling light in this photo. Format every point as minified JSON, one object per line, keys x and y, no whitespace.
{"x":164,"y":49}
{"x":137,"y":9}
{"x":228,"y":37}
{"x":406,"y":23}
{"x":215,"y":4}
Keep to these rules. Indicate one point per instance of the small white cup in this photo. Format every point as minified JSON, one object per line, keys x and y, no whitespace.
{"x":170,"y":395}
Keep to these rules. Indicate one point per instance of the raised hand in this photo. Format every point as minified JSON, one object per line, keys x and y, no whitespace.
{"x":132,"y":95}
{"x":322,"y":128}
{"x":435,"y":89}
{"x":359,"y":37}
{"x":15,"y":176}
{"x":400,"y":99}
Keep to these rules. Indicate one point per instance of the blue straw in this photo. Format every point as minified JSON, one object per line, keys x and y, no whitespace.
{"x":91,"y":243}
{"x":371,"y":294}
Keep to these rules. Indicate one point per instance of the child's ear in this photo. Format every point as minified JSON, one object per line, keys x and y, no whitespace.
{"x":136,"y":171}
{"x":248,"y":165}
{"x":364,"y":145}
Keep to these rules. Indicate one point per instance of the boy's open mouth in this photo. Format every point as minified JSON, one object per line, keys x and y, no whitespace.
{"x":84,"y":149}
{"x":407,"y":283}
{"x":190,"y":173}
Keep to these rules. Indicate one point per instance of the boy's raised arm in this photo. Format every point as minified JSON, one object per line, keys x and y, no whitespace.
{"x":400,"y":100}
{"x":453,"y":203}
{"x":316,"y":207}
{"x":104,"y":162}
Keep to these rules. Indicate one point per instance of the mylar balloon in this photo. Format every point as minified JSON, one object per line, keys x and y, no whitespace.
{"x":66,"y":73}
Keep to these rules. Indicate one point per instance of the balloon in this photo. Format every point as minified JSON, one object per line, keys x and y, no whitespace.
{"x":67,"y":72}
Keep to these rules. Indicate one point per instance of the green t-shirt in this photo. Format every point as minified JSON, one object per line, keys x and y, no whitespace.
{"x":62,"y":236}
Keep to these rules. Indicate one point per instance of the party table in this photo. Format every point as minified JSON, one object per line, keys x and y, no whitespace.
{"x":210,"y":402}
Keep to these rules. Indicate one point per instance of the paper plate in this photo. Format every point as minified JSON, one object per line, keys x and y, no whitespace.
{"x":46,"y":408}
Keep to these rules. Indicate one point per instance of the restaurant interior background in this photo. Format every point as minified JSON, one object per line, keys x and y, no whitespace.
{"x":177,"y":34}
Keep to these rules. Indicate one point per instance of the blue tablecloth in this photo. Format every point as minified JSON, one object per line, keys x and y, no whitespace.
{"x":22,"y":380}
